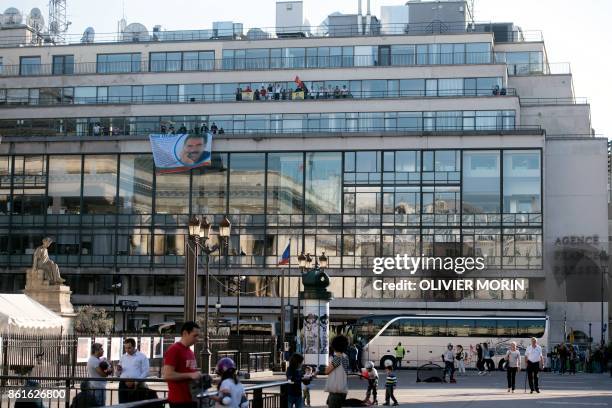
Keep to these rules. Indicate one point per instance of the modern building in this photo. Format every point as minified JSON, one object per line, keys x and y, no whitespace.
{"x":439,"y":143}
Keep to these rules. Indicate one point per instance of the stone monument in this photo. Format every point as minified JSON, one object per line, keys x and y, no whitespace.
{"x":315,"y":326}
{"x":45,"y":285}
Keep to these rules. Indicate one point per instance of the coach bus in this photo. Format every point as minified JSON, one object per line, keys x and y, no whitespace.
{"x":425,"y":337}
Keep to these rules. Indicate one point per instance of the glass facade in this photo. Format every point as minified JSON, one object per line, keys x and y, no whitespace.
{"x":226,"y":92}
{"x":269,"y":123}
{"x":114,"y":211}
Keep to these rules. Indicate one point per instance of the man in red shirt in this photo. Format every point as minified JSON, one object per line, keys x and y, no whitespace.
{"x":180,"y":367}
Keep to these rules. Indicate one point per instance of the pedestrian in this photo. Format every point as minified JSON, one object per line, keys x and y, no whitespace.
{"x":487,"y":355}
{"x":132,"y":364}
{"x":295,"y":375}
{"x":448,"y":357}
{"x":85,"y":398}
{"x":97,"y":367}
{"x":213,"y":128}
{"x":400,"y":352}
{"x":513,"y":357}
{"x":352,"y":355}
{"x":534,"y":361}
{"x":371,"y":375}
{"x":479,"y":359}
{"x":308,"y":376}
{"x":572,"y":356}
{"x":460,"y":356}
{"x":563,"y":354}
{"x":336,"y":384}
{"x":390,"y":384}
{"x":180,"y":367}
{"x":231,"y":392}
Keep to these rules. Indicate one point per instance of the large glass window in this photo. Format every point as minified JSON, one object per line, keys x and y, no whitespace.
{"x":478,"y":53}
{"x":117,"y":63}
{"x":481,"y":182}
{"x":29,"y":66}
{"x":172,"y":193}
{"x":285,"y":183}
{"x":522,"y":181}
{"x":136,"y":184}
{"x":323,"y":183}
{"x":63,"y":64}
{"x":210,"y":186}
{"x":99,"y":184}
{"x":64,"y":184}
{"x":247,"y":178}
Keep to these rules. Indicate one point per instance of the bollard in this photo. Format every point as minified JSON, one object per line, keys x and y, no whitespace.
{"x":284,"y":392}
{"x":257,"y":398}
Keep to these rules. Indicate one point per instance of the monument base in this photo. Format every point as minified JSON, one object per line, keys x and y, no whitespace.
{"x":53,"y":297}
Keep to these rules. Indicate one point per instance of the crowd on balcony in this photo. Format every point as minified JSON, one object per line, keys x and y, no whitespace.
{"x":276,"y":92}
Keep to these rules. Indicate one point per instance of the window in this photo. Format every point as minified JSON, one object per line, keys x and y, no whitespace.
{"x":323,"y":183}
{"x":99,"y":184}
{"x":118,"y":63}
{"x":247,"y":178}
{"x":181,"y":61}
{"x":29,"y":66}
{"x":478,"y":53}
{"x":63,"y":64}
{"x":285,"y":179}
{"x":481,"y":182}
{"x":522,"y":182}
{"x":64,"y":184}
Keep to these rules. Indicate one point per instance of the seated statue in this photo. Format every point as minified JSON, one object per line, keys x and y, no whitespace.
{"x":41,"y":261}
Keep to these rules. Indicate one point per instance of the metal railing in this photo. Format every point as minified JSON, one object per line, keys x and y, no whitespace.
{"x":250,"y":96}
{"x":554,"y":101}
{"x":236,"y":32}
{"x":248,"y":64}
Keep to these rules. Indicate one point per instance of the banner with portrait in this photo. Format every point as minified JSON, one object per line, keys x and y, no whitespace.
{"x":182,"y":152}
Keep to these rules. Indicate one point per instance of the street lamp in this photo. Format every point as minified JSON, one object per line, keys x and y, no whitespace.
{"x":203,"y":230}
{"x":127,"y":306}
{"x":238,"y":288}
{"x":603,"y":257}
{"x":218,"y":309}
{"x":323,"y":261}
{"x":115,"y":288}
{"x":191,"y":269}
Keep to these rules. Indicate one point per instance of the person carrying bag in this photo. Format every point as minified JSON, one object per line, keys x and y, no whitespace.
{"x":336,"y":385}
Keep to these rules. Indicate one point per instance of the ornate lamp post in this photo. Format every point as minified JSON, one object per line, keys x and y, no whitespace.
{"x":191,"y":269}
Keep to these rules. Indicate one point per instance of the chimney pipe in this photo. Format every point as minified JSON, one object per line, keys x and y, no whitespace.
{"x":359,"y":19}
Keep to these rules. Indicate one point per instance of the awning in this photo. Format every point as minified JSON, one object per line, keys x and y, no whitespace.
{"x":22,"y":313}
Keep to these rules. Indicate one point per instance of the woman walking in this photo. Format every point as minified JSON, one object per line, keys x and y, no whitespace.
{"x":296,"y":376}
{"x":513,"y":357}
{"x":479,"y":359}
{"x":336,"y":371}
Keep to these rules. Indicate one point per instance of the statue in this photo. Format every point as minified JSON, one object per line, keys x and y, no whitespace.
{"x":41,"y":261}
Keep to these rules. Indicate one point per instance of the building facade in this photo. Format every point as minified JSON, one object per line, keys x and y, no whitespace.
{"x":441,"y":144}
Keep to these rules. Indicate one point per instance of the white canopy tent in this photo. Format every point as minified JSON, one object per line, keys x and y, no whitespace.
{"x":21,"y":313}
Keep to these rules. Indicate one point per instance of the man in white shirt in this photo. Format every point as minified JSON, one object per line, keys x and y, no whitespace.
{"x":533,"y":359}
{"x":133,"y":364}
{"x":449,"y":363}
{"x":98,"y":368}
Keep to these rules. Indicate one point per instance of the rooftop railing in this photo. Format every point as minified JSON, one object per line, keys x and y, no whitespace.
{"x":554,"y":101}
{"x":237,"y":32}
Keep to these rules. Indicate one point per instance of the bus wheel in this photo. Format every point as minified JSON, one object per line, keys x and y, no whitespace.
{"x":384,"y":360}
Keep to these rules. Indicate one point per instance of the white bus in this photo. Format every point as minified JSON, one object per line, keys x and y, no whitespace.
{"x":425,"y":337}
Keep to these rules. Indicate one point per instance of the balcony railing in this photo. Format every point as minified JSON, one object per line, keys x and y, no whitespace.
{"x":251,"y":96}
{"x":242,"y":64}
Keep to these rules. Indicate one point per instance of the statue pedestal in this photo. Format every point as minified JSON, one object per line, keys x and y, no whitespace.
{"x":54,"y":297}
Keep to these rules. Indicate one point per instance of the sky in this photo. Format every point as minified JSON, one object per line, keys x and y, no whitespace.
{"x":574,"y":31}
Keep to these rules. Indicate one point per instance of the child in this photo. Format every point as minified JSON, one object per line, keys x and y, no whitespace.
{"x":460,"y":357}
{"x":371,"y":375}
{"x":231,"y":391}
{"x":390,"y":384}
{"x":307,"y":379}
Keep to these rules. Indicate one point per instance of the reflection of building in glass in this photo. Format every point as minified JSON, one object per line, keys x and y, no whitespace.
{"x":453,"y":144}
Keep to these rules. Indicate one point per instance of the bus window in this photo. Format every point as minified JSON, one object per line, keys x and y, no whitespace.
{"x":410,"y":327}
{"x":392,"y":330}
{"x":531,"y":328}
{"x":366,"y":328}
{"x":434,"y":327}
{"x":460,"y":327}
{"x":485,"y":328}
{"x":506,"y":328}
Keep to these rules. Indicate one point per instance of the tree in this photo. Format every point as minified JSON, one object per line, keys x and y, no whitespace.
{"x":92,"y":320}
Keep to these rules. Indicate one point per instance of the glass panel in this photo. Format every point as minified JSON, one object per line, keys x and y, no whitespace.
{"x":64,"y":184}
{"x":136,"y":184}
{"x":481,"y":182}
{"x":285,"y":183}
{"x":210,"y":186}
{"x":522,"y":182}
{"x":99,"y":184}
{"x":323,"y":183}
{"x":247,"y":173}
{"x":172,"y":193}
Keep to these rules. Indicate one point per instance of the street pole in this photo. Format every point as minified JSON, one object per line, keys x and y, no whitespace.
{"x":114,"y":307}
{"x":238,"y":307}
{"x":206,"y":351}
{"x":191,"y":271}
{"x":282,"y":316}
{"x":602,"y":302}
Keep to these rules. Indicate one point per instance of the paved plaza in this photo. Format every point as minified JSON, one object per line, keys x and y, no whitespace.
{"x":581,"y":390}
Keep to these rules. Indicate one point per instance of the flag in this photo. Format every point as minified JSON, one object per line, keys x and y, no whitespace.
{"x":285,"y":257}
